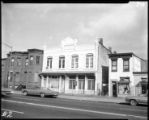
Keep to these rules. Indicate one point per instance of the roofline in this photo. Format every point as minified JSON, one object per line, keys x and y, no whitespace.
{"x":140,"y":72}
{"x":106,"y":48}
{"x":34,"y":50}
{"x":127,"y":53}
{"x":4,"y":58}
{"x":119,"y":54}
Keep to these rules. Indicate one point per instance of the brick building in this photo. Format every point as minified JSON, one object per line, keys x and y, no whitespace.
{"x":4,"y":72}
{"x":24,"y":67}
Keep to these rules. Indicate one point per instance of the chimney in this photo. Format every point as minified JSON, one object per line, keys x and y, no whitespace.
{"x":110,"y":48}
{"x":100,"y":40}
{"x":114,"y":52}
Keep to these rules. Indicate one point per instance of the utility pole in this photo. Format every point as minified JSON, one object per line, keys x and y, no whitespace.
{"x":9,"y":46}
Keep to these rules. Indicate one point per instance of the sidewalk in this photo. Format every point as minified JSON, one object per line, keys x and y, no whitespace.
{"x":88,"y":97}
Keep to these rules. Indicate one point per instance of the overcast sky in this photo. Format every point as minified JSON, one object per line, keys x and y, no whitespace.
{"x":122,"y":26}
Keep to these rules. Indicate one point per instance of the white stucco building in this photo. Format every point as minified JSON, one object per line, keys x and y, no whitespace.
{"x":127,"y":75}
{"x":76,"y":69}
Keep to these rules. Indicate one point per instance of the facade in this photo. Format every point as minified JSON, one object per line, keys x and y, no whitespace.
{"x":127,"y":75}
{"x":24,"y":67}
{"x":4,"y":71}
{"x":76,"y":69}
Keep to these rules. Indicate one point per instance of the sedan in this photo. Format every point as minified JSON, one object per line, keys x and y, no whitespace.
{"x":42,"y":92}
{"x":6,"y":91}
{"x":135,"y":100}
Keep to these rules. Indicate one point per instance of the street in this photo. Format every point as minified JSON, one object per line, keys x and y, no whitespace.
{"x":19,"y":106}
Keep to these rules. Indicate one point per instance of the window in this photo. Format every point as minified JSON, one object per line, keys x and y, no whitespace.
{"x":144,"y":85}
{"x":123,"y":85}
{"x":18,"y":61}
{"x":26,"y":61}
{"x":10,"y":77}
{"x":72,"y":84}
{"x":91,"y":84}
{"x":81,"y":82}
{"x":49,"y":62}
{"x":62,"y":62}
{"x":37,"y":60}
{"x":89,"y":61}
{"x":31,"y":60}
{"x":114,"y":65}
{"x":125,"y":65}
{"x":74,"y":63}
{"x":12,"y":61}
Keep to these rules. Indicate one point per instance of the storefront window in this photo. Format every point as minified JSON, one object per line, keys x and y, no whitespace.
{"x":91,"y":84}
{"x":144,"y":85}
{"x":72,"y":84}
{"x":124,"y":89}
{"x":123,"y":86}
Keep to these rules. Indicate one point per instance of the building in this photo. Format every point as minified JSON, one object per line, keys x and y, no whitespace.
{"x":24,"y":67}
{"x":4,"y":71}
{"x":76,"y":69}
{"x":127,"y":74}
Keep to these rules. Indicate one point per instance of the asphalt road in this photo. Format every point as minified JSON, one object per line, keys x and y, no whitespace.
{"x":19,"y":106}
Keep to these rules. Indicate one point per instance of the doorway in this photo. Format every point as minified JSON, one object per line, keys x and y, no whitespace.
{"x":114,"y":88}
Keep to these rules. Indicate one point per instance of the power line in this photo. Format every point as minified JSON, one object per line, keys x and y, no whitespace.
{"x":7,"y":45}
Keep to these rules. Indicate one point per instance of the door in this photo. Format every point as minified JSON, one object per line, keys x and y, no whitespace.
{"x":114,"y":88}
{"x":105,"y":80}
{"x":81,"y":85}
{"x":63,"y":85}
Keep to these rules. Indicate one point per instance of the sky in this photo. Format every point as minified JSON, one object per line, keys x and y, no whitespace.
{"x":122,"y":26}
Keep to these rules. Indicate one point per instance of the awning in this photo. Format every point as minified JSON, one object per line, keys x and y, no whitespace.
{"x":68,"y":73}
{"x":123,"y":82}
{"x":142,"y":83}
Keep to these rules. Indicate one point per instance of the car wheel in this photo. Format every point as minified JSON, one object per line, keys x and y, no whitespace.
{"x":25,"y":93}
{"x":133,"y":102}
{"x":42,"y":95}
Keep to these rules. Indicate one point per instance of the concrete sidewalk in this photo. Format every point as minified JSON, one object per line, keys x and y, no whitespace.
{"x":88,"y":97}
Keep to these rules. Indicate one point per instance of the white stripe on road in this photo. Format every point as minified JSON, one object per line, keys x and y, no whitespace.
{"x":76,"y":109}
{"x":68,"y":100}
{"x":13,"y":111}
{"x":26,"y":98}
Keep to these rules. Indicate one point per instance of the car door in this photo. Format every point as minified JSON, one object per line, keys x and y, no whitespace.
{"x":32,"y":91}
{"x":143,"y":100}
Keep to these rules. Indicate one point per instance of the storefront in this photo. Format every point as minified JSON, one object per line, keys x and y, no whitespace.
{"x":141,"y":82}
{"x":124,"y":86}
{"x":142,"y":87}
{"x":69,"y":83}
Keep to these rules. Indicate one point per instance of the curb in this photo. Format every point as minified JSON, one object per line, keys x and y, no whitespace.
{"x":84,"y":99}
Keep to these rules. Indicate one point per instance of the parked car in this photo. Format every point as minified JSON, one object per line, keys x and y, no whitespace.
{"x":42,"y":92}
{"x":135,"y":100}
{"x":6,"y":91}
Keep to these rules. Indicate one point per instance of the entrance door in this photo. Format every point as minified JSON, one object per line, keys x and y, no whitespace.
{"x":63,"y":84}
{"x":114,"y":88}
{"x":81,"y":85}
{"x":105,"y":79}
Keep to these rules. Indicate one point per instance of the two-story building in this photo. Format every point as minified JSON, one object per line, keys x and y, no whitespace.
{"x":76,"y":69}
{"x":24,"y":67}
{"x":127,"y":74}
